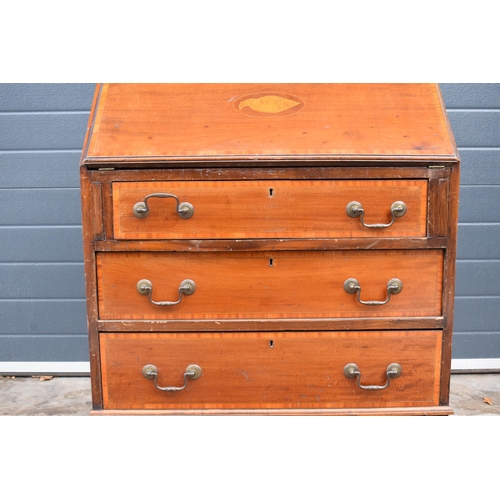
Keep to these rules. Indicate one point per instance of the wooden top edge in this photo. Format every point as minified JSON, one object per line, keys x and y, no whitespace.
{"x":253,"y":160}
{"x":90,"y":126}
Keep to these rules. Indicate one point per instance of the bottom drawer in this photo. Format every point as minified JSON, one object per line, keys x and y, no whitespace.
{"x":270,"y":370}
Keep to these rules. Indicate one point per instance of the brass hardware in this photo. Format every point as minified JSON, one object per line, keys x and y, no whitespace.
{"x":185,"y":209}
{"x":145,"y":287}
{"x":151,"y":373}
{"x":436,"y":166}
{"x":394,"y":286}
{"x":351,"y":370}
{"x":355,"y":209}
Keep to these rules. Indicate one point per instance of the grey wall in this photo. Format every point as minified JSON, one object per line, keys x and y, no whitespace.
{"x":474,"y":112}
{"x":42,"y":306}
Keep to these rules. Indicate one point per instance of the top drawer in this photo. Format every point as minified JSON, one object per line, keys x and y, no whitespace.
{"x":269,"y":209}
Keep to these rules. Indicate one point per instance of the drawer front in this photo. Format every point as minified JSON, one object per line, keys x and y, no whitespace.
{"x":281,"y":284}
{"x":270,"y":370}
{"x":268,"y":209}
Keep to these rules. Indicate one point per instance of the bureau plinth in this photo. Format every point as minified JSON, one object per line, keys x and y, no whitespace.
{"x":269,"y":249}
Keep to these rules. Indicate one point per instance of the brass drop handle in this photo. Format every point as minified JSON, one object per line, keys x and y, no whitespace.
{"x":355,"y":209}
{"x":394,"y":286}
{"x":394,"y":370}
{"x":145,"y":287}
{"x":151,"y":373}
{"x":185,"y":209}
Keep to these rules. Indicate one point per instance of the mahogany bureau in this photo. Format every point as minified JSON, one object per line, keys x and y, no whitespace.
{"x":270,"y":248}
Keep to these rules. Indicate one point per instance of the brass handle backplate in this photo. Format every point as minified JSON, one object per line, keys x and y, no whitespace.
{"x":394,"y":370}
{"x":145,"y":287}
{"x":355,"y":209}
{"x":151,"y":373}
{"x":394,"y":286}
{"x":185,"y":209}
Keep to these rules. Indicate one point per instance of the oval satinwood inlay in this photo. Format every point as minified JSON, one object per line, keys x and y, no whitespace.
{"x":268,"y":104}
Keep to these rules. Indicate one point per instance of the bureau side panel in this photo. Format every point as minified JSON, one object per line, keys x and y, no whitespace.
{"x":449,"y":280}
{"x":91,"y":201}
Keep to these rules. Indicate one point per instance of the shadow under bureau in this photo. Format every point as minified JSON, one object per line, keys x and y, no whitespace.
{"x":270,"y":248}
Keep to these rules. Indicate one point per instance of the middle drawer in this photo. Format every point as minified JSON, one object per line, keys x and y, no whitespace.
{"x":279,"y":285}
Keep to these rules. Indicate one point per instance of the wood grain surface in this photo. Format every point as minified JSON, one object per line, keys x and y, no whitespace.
{"x":271,"y":370}
{"x":274,"y":208}
{"x":158,"y":122}
{"x":277,"y":284}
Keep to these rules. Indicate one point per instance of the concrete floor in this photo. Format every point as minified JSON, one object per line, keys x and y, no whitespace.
{"x":470,"y":395}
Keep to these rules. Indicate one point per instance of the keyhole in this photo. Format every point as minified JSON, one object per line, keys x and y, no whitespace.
{"x":271,"y":190}
{"x":271,"y":262}
{"x":271,"y":344}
